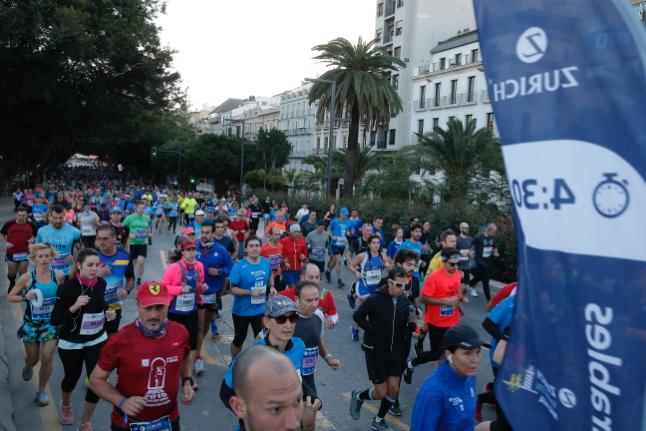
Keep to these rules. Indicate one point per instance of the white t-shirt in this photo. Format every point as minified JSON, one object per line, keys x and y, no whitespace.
{"x":88,"y":222}
{"x":301,"y":213}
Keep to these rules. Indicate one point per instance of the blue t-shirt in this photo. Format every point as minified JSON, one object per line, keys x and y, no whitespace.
{"x":38,"y":212}
{"x":295,"y":354}
{"x":174,"y":209}
{"x":502,"y":315}
{"x":214,"y":257}
{"x":417,"y":248}
{"x":121,"y":268}
{"x":246,"y":275}
{"x":62,"y":240}
{"x":339,"y":229}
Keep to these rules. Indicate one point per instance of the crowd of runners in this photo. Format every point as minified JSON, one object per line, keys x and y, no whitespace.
{"x":76,"y":251}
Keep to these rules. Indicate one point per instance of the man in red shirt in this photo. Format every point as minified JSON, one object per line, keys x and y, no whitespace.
{"x":150,"y":355}
{"x":295,"y":251}
{"x":18,"y":234}
{"x":241,"y":228}
{"x":326,"y":300}
{"x":273,"y":250}
{"x":442,"y":294}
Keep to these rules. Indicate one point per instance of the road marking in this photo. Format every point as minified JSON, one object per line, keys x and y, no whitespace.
{"x":163,"y":258}
{"x":48,"y":413}
{"x":374,"y":410}
{"x":323,"y":423}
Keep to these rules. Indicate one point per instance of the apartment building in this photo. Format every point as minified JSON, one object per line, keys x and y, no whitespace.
{"x":298,"y":121}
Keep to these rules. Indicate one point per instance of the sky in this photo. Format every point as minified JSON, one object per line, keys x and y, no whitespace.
{"x":245,"y":48}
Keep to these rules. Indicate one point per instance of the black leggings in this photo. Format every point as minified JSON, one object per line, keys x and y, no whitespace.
{"x":481,"y":273}
{"x":435,"y":334}
{"x":73,"y":366}
{"x":241,"y":326}
{"x":172,"y":221}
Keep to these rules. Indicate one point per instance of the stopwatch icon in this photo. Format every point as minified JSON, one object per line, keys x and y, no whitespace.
{"x":611,"y":196}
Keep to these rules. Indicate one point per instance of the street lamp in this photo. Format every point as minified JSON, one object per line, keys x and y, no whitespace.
{"x":331,"y":132}
{"x":231,"y":120}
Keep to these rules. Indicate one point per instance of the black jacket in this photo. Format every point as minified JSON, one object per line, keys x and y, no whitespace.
{"x":384,"y":322}
{"x":70,"y":323}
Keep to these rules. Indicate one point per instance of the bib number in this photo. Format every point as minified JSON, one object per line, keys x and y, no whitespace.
{"x":260,"y":299}
{"x":318,"y":252}
{"x":161,"y":424}
{"x":486,"y":251}
{"x":209,"y":299}
{"x":20,"y":257}
{"x":373,"y":276}
{"x":309,"y":360}
{"x":43,"y":312}
{"x":92,"y":323}
{"x":141,"y":234}
{"x":185,"y":302}
{"x":447,"y":310}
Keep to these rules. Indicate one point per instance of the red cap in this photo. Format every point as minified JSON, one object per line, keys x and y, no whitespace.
{"x":188,"y":231}
{"x":153,"y":293}
{"x":188,"y":243}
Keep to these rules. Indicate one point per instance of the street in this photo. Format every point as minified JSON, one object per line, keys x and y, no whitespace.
{"x":207,"y":411}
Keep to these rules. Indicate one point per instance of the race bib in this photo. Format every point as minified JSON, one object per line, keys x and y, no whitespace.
{"x":141,"y":234}
{"x":38,"y":217}
{"x":373,"y":276}
{"x":317,"y":252}
{"x":60,"y":263}
{"x":111,"y":296}
{"x":92,"y":323}
{"x":20,"y":257}
{"x":464,"y":254}
{"x":309,"y":360}
{"x":185,"y":302}
{"x":161,"y":424}
{"x":447,"y":310}
{"x":274,"y":260}
{"x":209,"y":299}
{"x":486,"y":251}
{"x":44,"y":311}
{"x":260,"y":299}
{"x":254,"y":215}
{"x":340,"y":240}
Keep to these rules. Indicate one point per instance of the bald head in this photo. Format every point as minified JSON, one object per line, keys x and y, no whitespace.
{"x":312,"y":273}
{"x":257,"y":359}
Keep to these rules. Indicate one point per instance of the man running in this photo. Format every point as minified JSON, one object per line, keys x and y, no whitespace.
{"x":413,"y":243}
{"x":310,"y":223}
{"x":221,"y":238}
{"x":485,"y":250}
{"x":122,"y":231}
{"x":294,"y":255}
{"x":18,"y":234}
{"x":140,"y":231}
{"x":448,"y":241}
{"x":273,"y":250}
{"x":338,"y":229}
{"x":150,"y":355}
{"x":88,"y":221}
{"x":256,"y":212}
{"x":464,"y":243}
{"x":64,"y":237}
{"x":318,"y":241}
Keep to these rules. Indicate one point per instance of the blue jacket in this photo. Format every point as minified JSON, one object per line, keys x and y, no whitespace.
{"x":214,"y":257}
{"x":445,"y":402}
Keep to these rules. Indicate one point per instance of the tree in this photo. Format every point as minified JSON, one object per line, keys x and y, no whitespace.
{"x":392,"y":177}
{"x":462,"y":154}
{"x":273,"y":148}
{"x":365,"y":161}
{"x":364,"y":92}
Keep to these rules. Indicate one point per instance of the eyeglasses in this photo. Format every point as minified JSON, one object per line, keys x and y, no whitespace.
{"x":453,"y":264}
{"x":282,"y":319}
{"x":399,"y":284}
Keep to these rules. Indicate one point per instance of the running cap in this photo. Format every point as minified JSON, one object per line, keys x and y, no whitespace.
{"x":188,"y":231}
{"x":278,"y":305}
{"x":450,"y":253}
{"x":153,"y":293}
{"x":293,"y":228}
{"x":345,"y":211}
{"x":115,"y":210}
{"x":199,"y":212}
{"x":462,"y":336}
{"x":188,"y":243}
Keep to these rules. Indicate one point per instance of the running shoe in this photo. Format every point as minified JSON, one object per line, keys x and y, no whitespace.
{"x":199,"y":366}
{"x":355,"y":406}
{"x":380,"y":425}
{"x":27,"y":372}
{"x":328,"y":277}
{"x":85,"y":427}
{"x":395,"y":410}
{"x":354,"y":333}
{"x":473,"y":292}
{"x":66,"y":414}
{"x":408,"y":375}
{"x":341,"y":284}
{"x":41,"y":398}
{"x":351,"y":301}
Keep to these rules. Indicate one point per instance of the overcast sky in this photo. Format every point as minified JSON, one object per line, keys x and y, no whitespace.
{"x":255,"y":47}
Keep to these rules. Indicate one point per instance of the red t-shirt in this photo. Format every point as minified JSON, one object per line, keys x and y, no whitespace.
{"x":502,"y":294}
{"x":147,"y":368}
{"x":239,"y":226}
{"x":19,"y":235}
{"x":439,"y":285}
{"x":274,"y":254}
{"x":326,"y":300}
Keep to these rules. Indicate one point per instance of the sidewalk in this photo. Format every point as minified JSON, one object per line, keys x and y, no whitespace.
{"x":6,"y":403}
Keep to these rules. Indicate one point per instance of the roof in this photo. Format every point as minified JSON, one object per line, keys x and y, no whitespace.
{"x":456,"y":41}
{"x":227,"y":106}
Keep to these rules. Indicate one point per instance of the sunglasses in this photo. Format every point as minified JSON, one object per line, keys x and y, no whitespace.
{"x":282,"y":319}
{"x":399,"y":284}
{"x":453,"y":264}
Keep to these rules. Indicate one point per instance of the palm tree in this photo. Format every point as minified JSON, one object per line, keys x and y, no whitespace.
{"x":364,"y":92}
{"x":462,"y":154}
{"x":365,"y":161}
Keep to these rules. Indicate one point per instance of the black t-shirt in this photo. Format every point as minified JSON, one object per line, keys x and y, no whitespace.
{"x":359,"y":245}
{"x":484,"y":249}
{"x":227,"y":243}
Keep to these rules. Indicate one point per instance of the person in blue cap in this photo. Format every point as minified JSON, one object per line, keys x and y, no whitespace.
{"x":338,"y":229}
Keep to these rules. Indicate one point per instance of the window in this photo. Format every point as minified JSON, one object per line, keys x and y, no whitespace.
{"x":490,"y":120}
{"x":420,"y":127}
{"x":422,"y":96}
{"x":442,"y":63}
{"x":471,"y":83}
{"x":326,"y":141}
{"x":451,"y":117}
{"x":398,"y":52}
{"x":475,"y":55}
{"x":380,"y":9}
{"x":381,"y":138}
{"x":467,"y":118}
{"x":438,"y":87}
{"x":398,"y":28}
{"x":454,"y":91}
{"x":436,"y":122}
{"x":391,"y":137}
{"x":395,"y":82}
{"x":458,"y":59}
{"x":378,"y":36}
{"x":373,"y":138}
{"x":400,"y":3}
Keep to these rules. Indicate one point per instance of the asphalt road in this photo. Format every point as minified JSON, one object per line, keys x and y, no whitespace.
{"x":207,"y":411}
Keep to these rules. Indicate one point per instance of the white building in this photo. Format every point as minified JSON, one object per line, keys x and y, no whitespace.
{"x":408,"y":29}
{"x":451,"y":85}
{"x":298,"y":122}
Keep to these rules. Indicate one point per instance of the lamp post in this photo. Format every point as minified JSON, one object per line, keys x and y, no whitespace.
{"x":331,"y":131}
{"x":231,"y":120}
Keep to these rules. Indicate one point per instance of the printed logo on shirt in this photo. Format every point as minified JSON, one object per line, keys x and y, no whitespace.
{"x":156,"y":395}
{"x":457,"y":402}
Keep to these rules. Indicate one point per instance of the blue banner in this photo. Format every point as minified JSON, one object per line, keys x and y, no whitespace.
{"x":568,"y":85}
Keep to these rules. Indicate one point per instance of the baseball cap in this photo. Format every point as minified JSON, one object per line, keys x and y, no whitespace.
{"x":188,"y":243}
{"x":200,"y":212}
{"x":153,"y":293}
{"x":345,"y":211}
{"x":278,"y":305}
{"x":462,"y":336}
{"x":188,"y":231}
{"x":294,"y":228}
{"x":450,"y":253}
{"x":115,"y":210}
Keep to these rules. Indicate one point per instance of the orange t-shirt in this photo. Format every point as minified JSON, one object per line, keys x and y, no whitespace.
{"x":274,"y":254}
{"x":440,"y":285}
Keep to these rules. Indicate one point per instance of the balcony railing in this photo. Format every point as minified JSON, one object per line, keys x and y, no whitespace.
{"x":388,"y":36}
{"x":452,"y":63}
{"x":390,"y":8}
{"x":424,"y":68}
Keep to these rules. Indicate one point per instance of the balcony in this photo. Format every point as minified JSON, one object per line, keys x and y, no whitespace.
{"x":390,"y":8}
{"x":446,"y":101}
{"x":388,"y":36}
{"x":466,"y":60}
{"x":424,"y":69}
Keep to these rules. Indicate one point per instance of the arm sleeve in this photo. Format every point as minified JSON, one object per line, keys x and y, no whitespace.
{"x":61,"y":312}
{"x":492,"y":328}
{"x":5,"y":228}
{"x":109,"y":358}
{"x":234,"y":276}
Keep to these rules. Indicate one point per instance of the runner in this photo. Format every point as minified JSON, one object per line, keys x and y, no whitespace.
{"x":117,"y":270}
{"x":310,"y":223}
{"x":256,"y":212}
{"x":140,"y":231}
{"x":442,"y":295}
{"x":217,"y":264}
{"x":294,"y":255}
{"x":173,"y":213}
{"x":368,"y":267}
{"x":394,"y":245}
{"x":81,"y":311}
{"x":318,"y":241}
{"x":273,"y":250}
{"x":18,"y":234}
{"x":485,"y":248}
{"x":62,"y":236}
{"x":150,"y":355}
{"x":279,"y":223}
{"x":197,"y":222}
{"x":326,"y":299}
{"x":88,"y":222}
{"x":241,"y":228}
{"x":185,"y":283}
{"x":38,"y":289}
{"x":447,"y":241}
{"x":384,"y":317}
{"x":337,"y":229}
{"x":251,"y":281}
{"x":122,"y":231}
{"x":302,"y":212}
{"x":220,"y":237}
{"x":413,"y":243}
{"x":377,"y":229}
{"x":38,"y":211}
{"x":188,"y":206}
{"x":464,"y":243}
